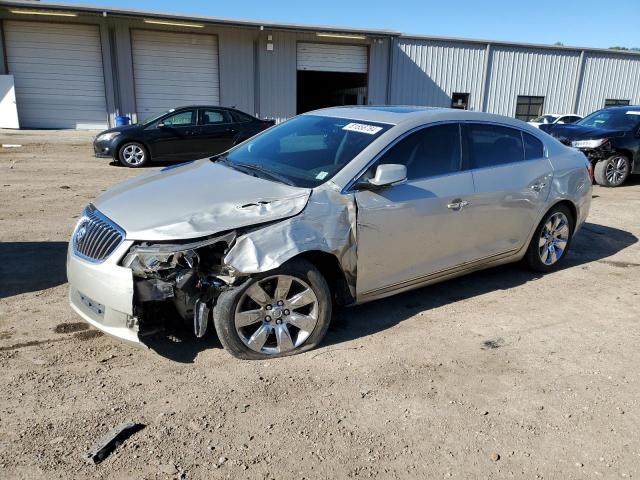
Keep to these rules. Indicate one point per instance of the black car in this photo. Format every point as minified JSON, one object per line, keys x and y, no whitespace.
{"x":184,"y":133}
{"x":610,"y":138}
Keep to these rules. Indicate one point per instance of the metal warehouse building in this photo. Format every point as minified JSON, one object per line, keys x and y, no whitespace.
{"x":80,"y":66}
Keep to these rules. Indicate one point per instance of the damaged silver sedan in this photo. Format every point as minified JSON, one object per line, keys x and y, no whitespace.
{"x":342,"y":205}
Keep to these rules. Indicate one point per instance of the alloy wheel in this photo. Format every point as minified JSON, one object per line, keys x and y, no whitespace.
{"x":276,"y":314}
{"x":133,"y":154}
{"x":616,"y":170}
{"x":554,"y":238}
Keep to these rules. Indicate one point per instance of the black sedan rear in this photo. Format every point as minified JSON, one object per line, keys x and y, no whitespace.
{"x":184,"y":133}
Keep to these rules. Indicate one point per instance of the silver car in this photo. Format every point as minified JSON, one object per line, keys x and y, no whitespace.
{"x":341,"y":205}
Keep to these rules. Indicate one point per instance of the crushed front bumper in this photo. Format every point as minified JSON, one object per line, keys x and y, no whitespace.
{"x":102,"y":294}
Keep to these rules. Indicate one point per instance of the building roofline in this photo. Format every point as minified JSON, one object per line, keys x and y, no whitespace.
{"x":295,"y":26}
{"x":129,"y":12}
{"x":504,"y":43}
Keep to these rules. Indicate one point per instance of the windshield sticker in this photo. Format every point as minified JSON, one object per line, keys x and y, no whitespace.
{"x":633,"y":112}
{"x":362,"y":128}
{"x":321,"y":175}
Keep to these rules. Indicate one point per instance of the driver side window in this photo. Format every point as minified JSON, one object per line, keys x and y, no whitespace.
{"x":181,"y":119}
{"x":428,"y":152}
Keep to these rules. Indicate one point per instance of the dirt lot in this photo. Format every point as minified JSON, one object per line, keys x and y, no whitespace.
{"x":501,"y":374}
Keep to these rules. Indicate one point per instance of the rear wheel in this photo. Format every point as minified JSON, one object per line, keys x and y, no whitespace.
{"x":613,"y":171}
{"x":551,"y":240}
{"x":133,"y":154}
{"x":278,"y":313}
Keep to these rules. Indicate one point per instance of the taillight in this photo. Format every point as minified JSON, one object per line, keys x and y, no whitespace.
{"x":590,"y":171}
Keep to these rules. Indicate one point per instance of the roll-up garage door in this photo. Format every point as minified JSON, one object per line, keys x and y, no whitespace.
{"x":173,"y":70}
{"x":58,"y":74}
{"x":321,"y":57}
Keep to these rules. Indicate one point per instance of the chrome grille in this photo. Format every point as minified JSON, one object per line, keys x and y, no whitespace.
{"x":96,"y":237}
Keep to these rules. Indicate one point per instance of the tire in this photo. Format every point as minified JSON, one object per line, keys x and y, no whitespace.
{"x":543,"y":239}
{"x":133,"y":155}
{"x":613,"y":171}
{"x":253,"y":326}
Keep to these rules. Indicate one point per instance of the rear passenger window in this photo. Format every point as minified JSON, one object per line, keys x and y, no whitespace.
{"x":492,"y":145}
{"x":533,"y":147}
{"x":241,"y":117}
{"x":428,"y":152}
{"x":213,"y":117}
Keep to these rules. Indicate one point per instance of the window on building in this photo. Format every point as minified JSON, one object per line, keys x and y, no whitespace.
{"x":428,"y":152}
{"x":613,"y":102}
{"x":491,"y":145}
{"x":529,"y":107}
{"x":460,"y":100}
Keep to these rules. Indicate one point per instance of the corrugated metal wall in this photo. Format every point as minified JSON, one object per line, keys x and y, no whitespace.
{"x":378,"y":71}
{"x":401,"y":70}
{"x":608,"y":76}
{"x":277,"y":76}
{"x":237,"y":68}
{"x":537,"y":72}
{"x":426,"y":72}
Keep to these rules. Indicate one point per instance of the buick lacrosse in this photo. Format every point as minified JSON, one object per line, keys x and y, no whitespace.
{"x":337,"y":206}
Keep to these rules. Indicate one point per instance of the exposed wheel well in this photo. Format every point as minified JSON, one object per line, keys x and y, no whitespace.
{"x":329,"y":267}
{"x":629,"y":156}
{"x":572,"y":208}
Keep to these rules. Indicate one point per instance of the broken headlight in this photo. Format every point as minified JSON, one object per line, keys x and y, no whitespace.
{"x":150,"y":260}
{"x":589,"y":143}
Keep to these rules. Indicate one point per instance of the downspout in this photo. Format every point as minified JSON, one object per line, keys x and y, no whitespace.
{"x":391,"y":58}
{"x":579,"y":80}
{"x":486,"y":77}
{"x":256,"y":77}
{"x":114,"y":67}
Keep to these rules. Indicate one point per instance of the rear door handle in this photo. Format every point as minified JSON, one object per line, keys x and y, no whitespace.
{"x":458,"y":204}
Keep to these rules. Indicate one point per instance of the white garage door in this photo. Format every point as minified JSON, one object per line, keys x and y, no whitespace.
{"x":174,"y":69}
{"x":321,"y":57}
{"x":58,"y":74}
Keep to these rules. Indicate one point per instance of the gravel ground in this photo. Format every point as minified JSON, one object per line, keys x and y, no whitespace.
{"x":500,"y":374}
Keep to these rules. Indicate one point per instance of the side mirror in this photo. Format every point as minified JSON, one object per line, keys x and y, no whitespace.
{"x":386,"y":175}
{"x":161,"y":125}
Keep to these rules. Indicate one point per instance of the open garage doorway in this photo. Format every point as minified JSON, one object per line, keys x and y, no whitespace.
{"x":330,"y":75}
{"x":328,"y":89}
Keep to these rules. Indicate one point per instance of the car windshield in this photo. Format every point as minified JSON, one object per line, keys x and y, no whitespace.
{"x":545,"y":119}
{"x":306,"y":151}
{"x":612,"y":119}
{"x":155,"y":116}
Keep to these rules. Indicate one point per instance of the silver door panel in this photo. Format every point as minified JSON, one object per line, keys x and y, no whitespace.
{"x":407,"y":231}
{"x":507,"y":203}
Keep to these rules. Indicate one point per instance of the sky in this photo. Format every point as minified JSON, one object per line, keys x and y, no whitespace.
{"x":585,"y":23}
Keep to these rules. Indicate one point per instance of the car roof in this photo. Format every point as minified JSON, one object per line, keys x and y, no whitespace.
{"x":633,"y":108}
{"x":397,"y":115}
{"x":203,"y":106}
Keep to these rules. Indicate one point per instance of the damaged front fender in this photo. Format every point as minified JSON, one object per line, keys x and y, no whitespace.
{"x":327,"y":224}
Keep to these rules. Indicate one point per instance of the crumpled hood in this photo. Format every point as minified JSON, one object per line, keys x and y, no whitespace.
{"x":195,"y":200}
{"x":578,"y":132}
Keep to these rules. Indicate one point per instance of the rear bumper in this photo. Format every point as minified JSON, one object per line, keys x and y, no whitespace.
{"x":102,"y":294}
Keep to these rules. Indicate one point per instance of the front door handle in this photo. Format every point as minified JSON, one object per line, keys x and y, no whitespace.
{"x":458,"y":204}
